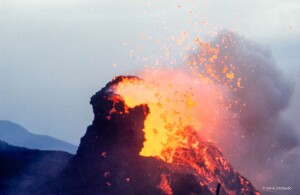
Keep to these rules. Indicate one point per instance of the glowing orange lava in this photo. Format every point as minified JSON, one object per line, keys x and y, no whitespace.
{"x":176,"y":100}
{"x":185,"y":111}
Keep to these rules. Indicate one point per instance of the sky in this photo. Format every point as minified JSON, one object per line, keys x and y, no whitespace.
{"x":55,"y":54}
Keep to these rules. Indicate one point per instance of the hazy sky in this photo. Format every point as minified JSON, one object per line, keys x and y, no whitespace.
{"x":55,"y":54}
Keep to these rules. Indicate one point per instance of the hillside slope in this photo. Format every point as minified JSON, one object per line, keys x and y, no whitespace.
{"x":17,"y":135}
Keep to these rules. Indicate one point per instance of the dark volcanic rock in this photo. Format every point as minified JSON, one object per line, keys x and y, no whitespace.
{"x":108,"y":161}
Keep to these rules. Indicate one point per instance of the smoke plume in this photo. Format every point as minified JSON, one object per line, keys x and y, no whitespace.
{"x":255,"y":137}
{"x":234,"y":95}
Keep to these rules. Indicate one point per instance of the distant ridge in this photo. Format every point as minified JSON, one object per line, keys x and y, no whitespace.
{"x":17,"y":135}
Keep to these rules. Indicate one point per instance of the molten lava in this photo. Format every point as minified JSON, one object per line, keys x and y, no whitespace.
{"x":174,"y":105}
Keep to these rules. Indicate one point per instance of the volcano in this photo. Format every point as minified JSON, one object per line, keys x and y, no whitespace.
{"x":109,"y":158}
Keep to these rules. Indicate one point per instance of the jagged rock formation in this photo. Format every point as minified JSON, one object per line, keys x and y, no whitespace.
{"x":108,"y":160}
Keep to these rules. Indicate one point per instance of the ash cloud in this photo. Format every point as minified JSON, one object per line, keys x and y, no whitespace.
{"x":258,"y":141}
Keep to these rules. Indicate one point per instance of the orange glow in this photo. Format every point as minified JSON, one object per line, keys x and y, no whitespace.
{"x":164,"y":185}
{"x":176,"y":100}
{"x":186,"y":111}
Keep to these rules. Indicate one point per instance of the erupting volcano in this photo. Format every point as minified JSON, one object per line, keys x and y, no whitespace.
{"x":144,"y":140}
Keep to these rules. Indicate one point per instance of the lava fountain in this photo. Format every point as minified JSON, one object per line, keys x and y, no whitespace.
{"x":184,"y":112}
{"x":176,"y":100}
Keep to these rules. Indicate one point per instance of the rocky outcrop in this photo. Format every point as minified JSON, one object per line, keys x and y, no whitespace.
{"x":108,"y":161}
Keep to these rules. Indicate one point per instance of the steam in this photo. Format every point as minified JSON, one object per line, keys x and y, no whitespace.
{"x":257,"y":140}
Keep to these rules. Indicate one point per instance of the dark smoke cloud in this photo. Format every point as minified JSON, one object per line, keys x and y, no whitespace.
{"x":259,"y":142}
